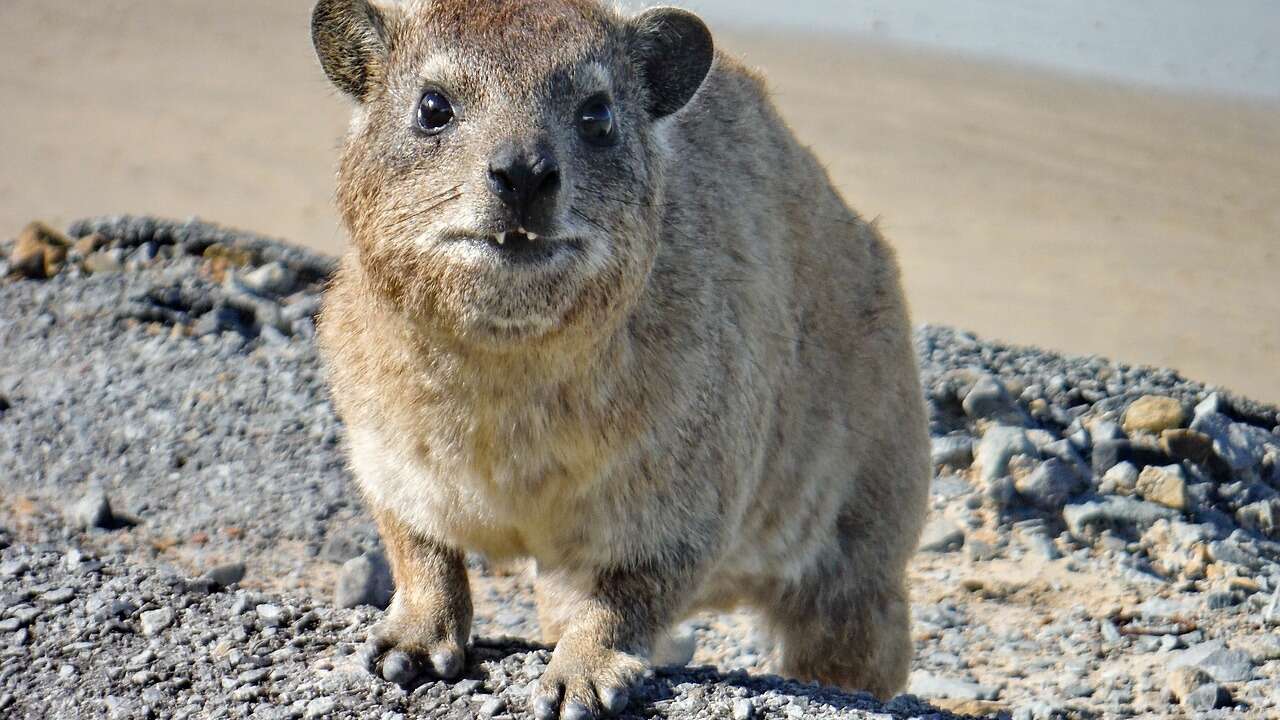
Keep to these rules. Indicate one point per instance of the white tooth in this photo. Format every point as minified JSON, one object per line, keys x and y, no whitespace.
{"x":501,"y":237}
{"x":532,"y":236}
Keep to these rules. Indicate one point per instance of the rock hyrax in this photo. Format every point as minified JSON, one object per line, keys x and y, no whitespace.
{"x":604,"y":311}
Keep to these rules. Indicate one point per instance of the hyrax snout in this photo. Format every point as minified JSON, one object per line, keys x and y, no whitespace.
{"x":603,"y":311}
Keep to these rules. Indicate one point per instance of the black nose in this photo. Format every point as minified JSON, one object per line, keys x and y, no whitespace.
{"x":525,"y":180}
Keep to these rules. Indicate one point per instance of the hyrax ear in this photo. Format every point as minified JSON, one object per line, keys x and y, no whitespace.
{"x":674,"y":50}
{"x":350,"y":36}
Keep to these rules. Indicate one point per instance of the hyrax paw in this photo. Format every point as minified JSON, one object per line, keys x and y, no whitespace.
{"x":406,"y":657}
{"x":583,"y":686}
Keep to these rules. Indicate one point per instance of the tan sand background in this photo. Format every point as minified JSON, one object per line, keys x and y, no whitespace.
{"x":1027,"y":206}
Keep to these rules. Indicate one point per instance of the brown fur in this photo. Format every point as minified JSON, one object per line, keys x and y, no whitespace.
{"x":708,"y":398}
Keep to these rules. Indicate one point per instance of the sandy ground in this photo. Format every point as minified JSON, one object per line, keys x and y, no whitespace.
{"x":1026,"y":206}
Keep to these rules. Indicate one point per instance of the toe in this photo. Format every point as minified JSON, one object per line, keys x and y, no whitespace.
{"x":575,"y":710}
{"x":614,"y":699}
{"x":546,"y":706}
{"x":400,"y":668}
{"x":448,"y":662}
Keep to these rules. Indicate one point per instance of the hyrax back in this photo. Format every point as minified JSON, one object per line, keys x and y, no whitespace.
{"x":604,"y":311}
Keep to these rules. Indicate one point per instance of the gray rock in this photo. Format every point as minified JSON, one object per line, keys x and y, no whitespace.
{"x":365,"y":580}
{"x":1114,"y":512}
{"x":226,"y":575}
{"x":1241,"y":447}
{"x":491,"y":706}
{"x":1050,"y":485}
{"x":272,"y":615}
{"x":954,"y":451}
{"x":92,"y":510}
{"x":743,"y":709}
{"x":156,"y":621}
{"x":1228,"y":665}
{"x":989,"y":400}
{"x":941,"y":535}
{"x":934,"y":686}
{"x":321,"y":707}
{"x":998,"y":446}
{"x":1208,"y":697}
{"x":274,"y":278}
{"x":1121,"y":479}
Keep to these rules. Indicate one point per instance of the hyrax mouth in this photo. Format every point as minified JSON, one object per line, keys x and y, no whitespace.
{"x":523,"y":246}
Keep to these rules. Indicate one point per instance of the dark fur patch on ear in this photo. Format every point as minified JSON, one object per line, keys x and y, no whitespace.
{"x":350,"y":37}
{"x":675,"y":51}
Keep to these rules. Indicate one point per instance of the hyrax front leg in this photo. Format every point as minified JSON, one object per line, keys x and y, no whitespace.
{"x":429,"y":621}
{"x":608,"y":629}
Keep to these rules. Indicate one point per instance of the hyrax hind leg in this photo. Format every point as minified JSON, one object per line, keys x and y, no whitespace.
{"x":429,"y":621}
{"x":847,"y":631}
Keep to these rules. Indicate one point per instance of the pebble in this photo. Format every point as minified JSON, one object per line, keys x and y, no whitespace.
{"x":1228,"y":665}
{"x":1114,"y":511}
{"x":988,"y":399}
{"x":1165,"y":486}
{"x":226,"y":575}
{"x":1183,"y":681}
{"x":39,"y":252}
{"x":1209,"y":697}
{"x":955,"y":451}
{"x":998,"y":446}
{"x":744,"y":709}
{"x":941,"y":535}
{"x":274,"y":278}
{"x":928,"y":685}
{"x":1153,"y":414}
{"x":320,"y":708}
{"x":92,"y":510}
{"x":272,"y":615}
{"x":156,"y":621}
{"x":1050,"y":485}
{"x":365,"y":580}
{"x":1121,"y":479}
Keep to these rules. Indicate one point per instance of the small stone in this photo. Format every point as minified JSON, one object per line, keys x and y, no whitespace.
{"x":1209,"y":697}
{"x":39,"y":252}
{"x":465,"y":688}
{"x":743,"y":709}
{"x":1051,"y":484}
{"x":101,"y":263}
{"x":274,"y":278}
{"x":1183,"y":444}
{"x":998,"y":446}
{"x":1262,"y":517}
{"x":988,"y":399}
{"x":119,"y":708}
{"x":224,"y":576}
{"x":320,"y":708}
{"x":365,"y":580}
{"x":1121,"y":479}
{"x":1228,"y":665}
{"x":927,"y":685}
{"x":941,"y":535}
{"x":1261,"y":648}
{"x":59,"y":596}
{"x":1185,"y":680}
{"x":1114,"y":512}
{"x":272,"y":615}
{"x":954,"y":451}
{"x":1165,"y":486}
{"x":155,"y":621}
{"x":491,"y":706}
{"x":1153,"y":414}
{"x":93,"y":510}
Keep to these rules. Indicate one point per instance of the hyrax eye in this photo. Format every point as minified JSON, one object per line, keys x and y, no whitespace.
{"x":596,"y":122}
{"x":435,"y":112}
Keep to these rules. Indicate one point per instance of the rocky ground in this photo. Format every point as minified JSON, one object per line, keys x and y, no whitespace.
{"x":178,"y":536}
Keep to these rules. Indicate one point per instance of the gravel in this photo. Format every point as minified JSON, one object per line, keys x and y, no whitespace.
{"x":179,"y":536}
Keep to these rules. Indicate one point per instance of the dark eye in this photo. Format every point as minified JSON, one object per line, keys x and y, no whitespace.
{"x":595,"y":122}
{"x":435,"y":112}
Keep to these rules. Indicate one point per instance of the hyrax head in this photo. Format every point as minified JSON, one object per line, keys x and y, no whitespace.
{"x":504,"y":166}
